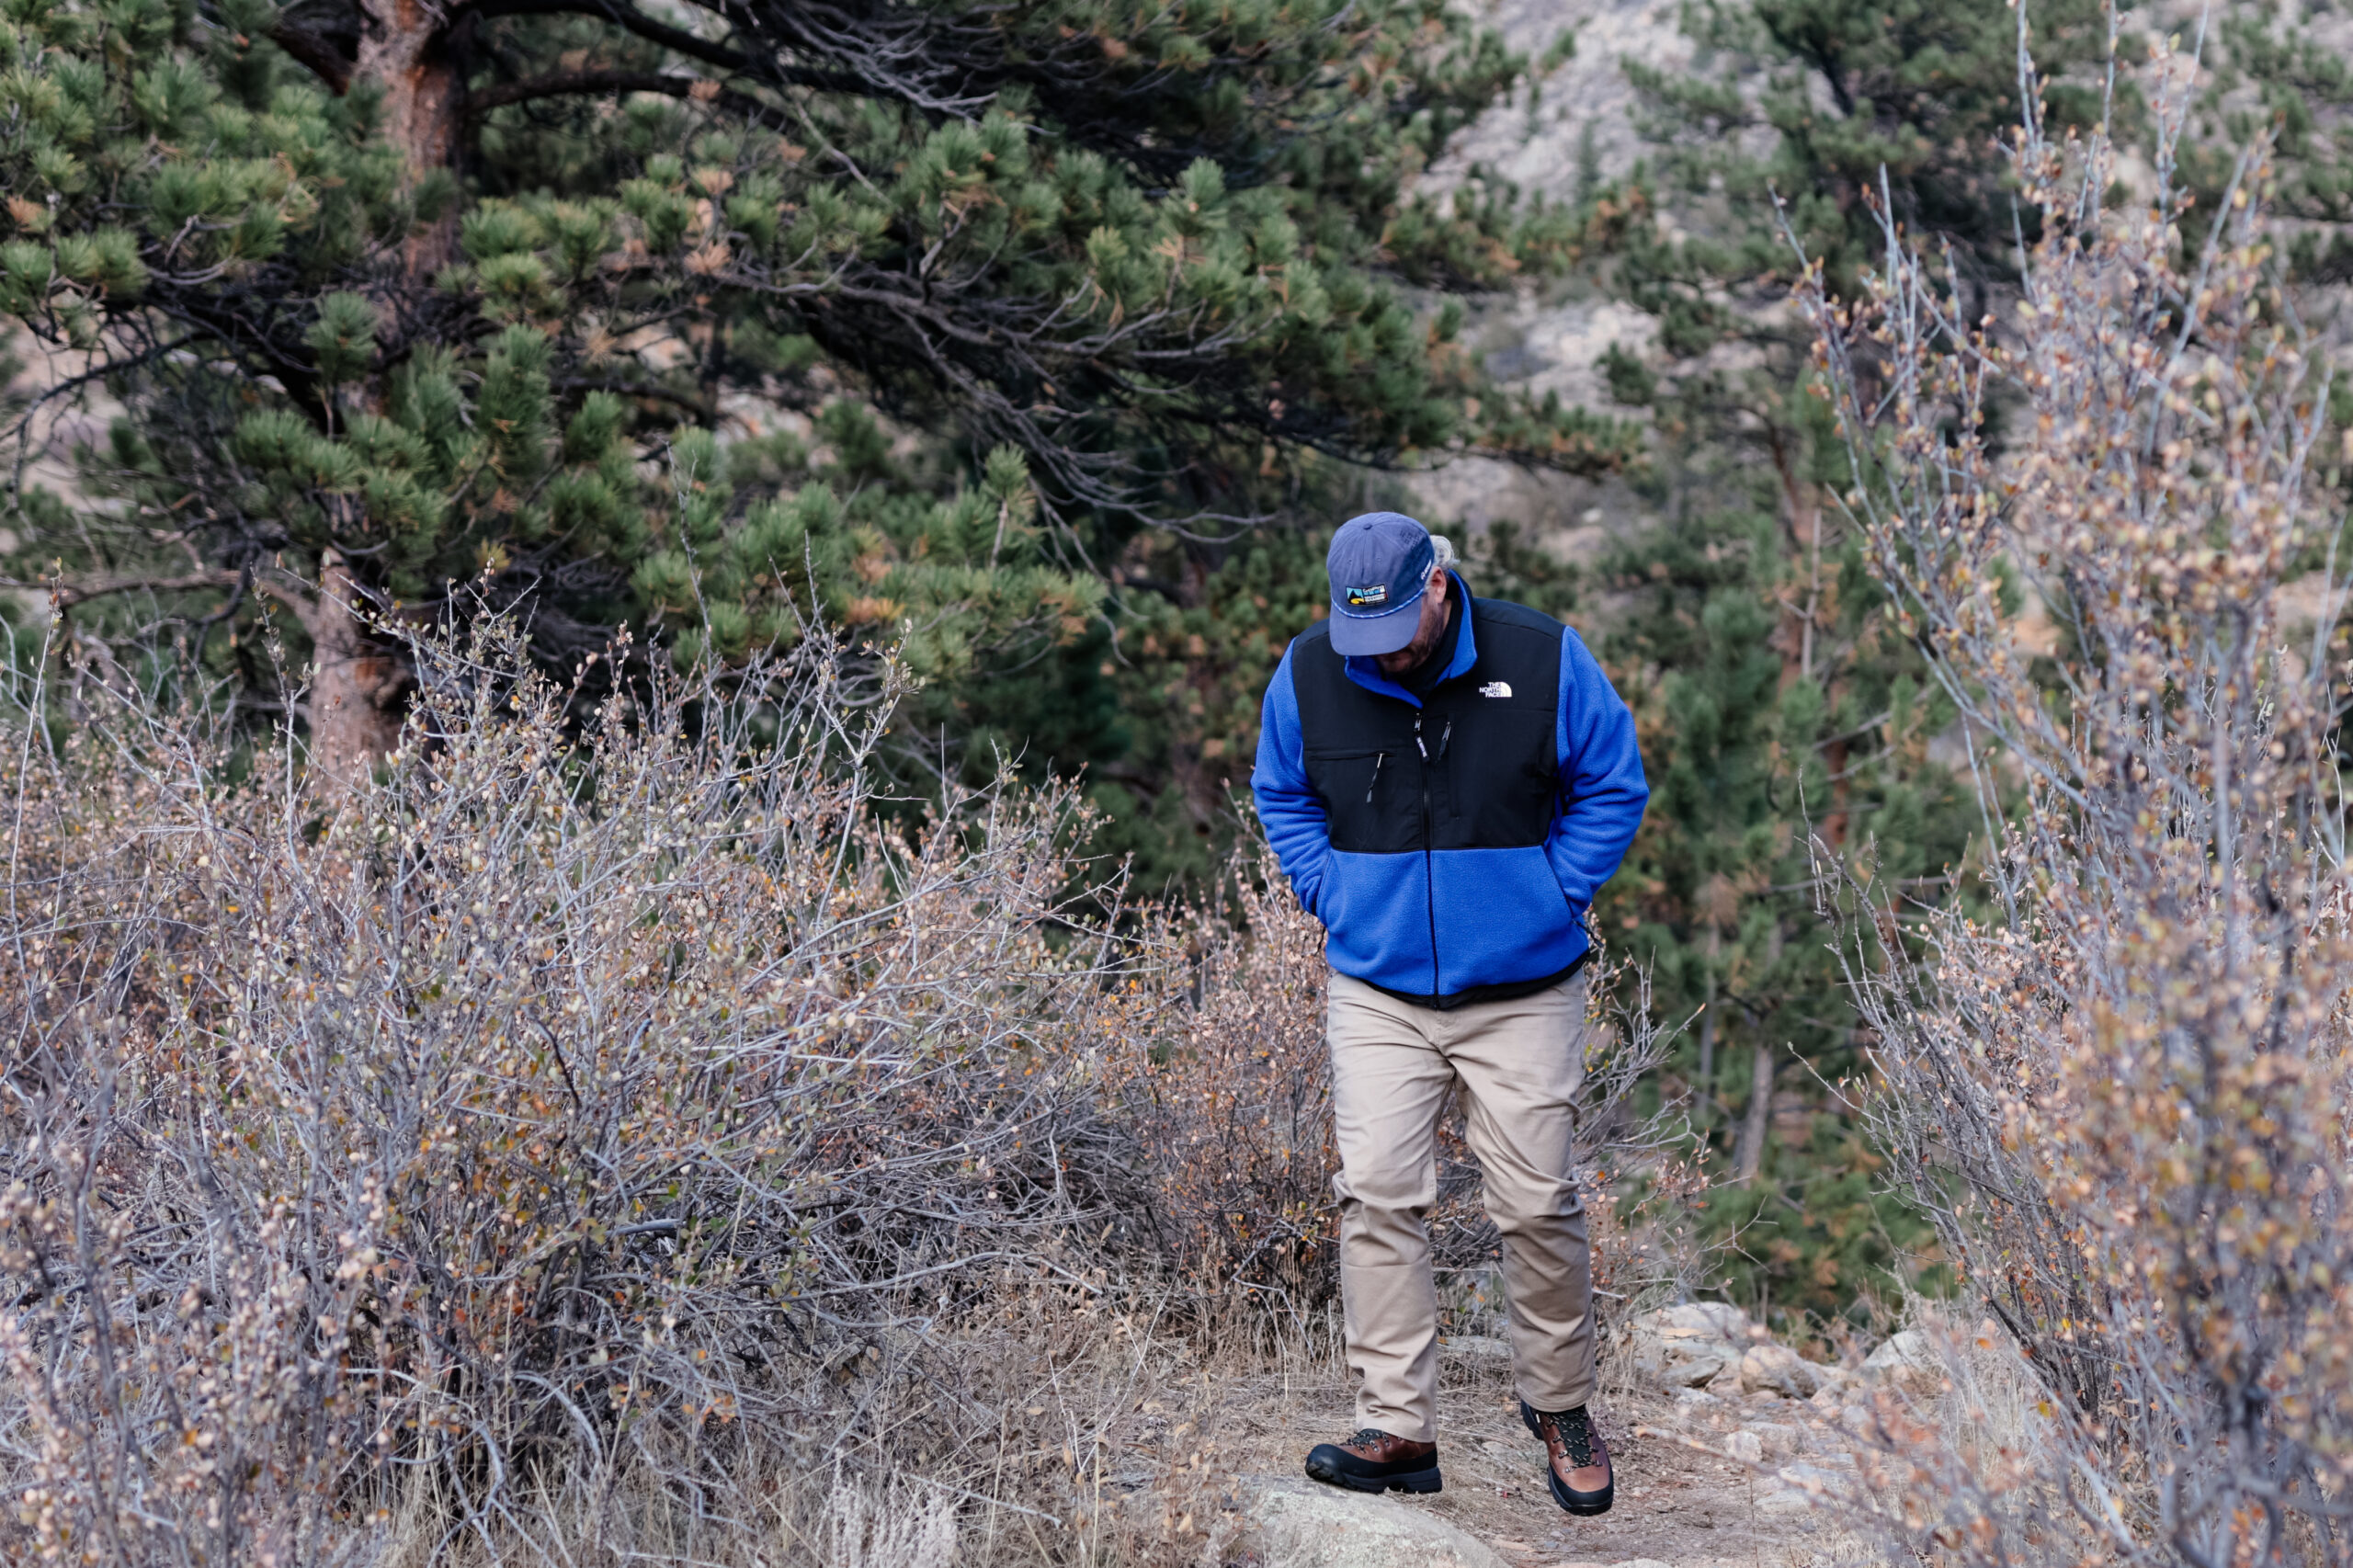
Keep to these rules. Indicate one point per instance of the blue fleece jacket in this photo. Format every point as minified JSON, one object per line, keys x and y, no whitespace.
{"x":1456,"y":920}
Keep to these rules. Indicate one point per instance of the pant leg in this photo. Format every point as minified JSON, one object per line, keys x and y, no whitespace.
{"x":1521,"y":1064}
{"x":1389,"y":1084}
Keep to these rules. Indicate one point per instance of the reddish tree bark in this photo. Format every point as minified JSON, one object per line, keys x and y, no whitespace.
{"x":359,"y":679}
{"x":355,"y":682}
{"x":407,"y":52}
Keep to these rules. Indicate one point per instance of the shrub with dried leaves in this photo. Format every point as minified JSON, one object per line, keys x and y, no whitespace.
{"x":559,"y":1103}
{"x":576,"y":1145}
{"x":2124,"y":1098}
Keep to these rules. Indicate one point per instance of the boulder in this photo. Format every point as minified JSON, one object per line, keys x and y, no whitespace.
{"x":1298,"y":1523}
{"x":1691,"y":1344}
{"x":1817,"y":1480}
{"x":1777,"y":1369}
{"x":1477,"y":1346}
{"x":1720,"y":1319}
{"x":1907,"y":1362}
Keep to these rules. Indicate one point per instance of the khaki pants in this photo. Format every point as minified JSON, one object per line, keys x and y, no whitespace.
{"x":1517,"y":1066}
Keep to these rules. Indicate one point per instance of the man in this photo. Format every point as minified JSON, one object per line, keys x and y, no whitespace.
{"x":1447,"y":782}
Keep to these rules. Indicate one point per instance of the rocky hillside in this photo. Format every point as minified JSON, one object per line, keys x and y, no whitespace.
{"x":1570,"y":129}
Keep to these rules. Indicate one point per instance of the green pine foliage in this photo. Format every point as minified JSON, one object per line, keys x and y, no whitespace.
{"x":1760,"y":748}
{"x":1798,"y":112}
{"x":1780,"y":704}
{"x":2285,"y":78}
{"x":1782,"y":708}
{"x":1002,"y":334}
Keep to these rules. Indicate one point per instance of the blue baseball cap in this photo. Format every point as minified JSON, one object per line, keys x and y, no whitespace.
{"x":1380,"y":565}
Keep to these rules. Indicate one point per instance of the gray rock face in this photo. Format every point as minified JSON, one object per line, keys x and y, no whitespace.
{"x":1578,"y":132}
{"x":1780,"y":1369}
{"x":1907,"y":1362}
{"x":1298,"y":1523}
{"x":1690,"y":1346}
{"x":1580,"y":127}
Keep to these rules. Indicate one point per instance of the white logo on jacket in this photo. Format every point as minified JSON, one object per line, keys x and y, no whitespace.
{"x":1495,"y":688}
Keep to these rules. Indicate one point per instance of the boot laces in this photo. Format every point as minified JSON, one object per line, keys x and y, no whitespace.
{"x":1575,"y":1429}
{"x":1367,"y":1438}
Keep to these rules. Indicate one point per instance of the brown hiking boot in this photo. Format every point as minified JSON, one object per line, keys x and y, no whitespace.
{"x":1576,"y":1462}
{"x":1372,"y":1460}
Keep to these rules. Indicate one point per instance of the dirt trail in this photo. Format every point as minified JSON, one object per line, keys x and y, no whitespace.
{"x":1678,"y":1504}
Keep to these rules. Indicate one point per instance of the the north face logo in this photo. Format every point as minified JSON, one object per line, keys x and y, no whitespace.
{"x":1495,"y":688}
{"x":1378,"y":594}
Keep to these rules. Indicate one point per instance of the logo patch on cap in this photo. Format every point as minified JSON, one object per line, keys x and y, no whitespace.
{"x":1378,"y":594}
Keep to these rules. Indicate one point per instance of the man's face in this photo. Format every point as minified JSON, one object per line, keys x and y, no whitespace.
{"x":1435,"y":609}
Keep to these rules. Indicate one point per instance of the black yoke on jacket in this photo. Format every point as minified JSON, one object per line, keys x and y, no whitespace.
{"x":1474,"y":769}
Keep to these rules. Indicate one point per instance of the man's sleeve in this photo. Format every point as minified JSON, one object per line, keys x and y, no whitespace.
{"x":1602,"y":789}
{"x":1288,"y":807}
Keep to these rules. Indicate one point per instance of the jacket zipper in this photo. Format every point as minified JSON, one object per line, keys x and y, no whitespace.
{"x":1429,"y":882}
{"x":1378,"y":758}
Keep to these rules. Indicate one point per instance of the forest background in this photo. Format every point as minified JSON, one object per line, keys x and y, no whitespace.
{"x":1046,"y":343}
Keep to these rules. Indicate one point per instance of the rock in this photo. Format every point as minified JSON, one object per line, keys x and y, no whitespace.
{"x":1689,"y":1345}
{"x":1814,"y":1481}
{"x":1698,"y":1366}
{"x":1779,"y":1441}
{"x":1720,"y":1319}
{"x":1784,"y":1502}
{"x":1746,"y":1447}
{"x":1907,"y":1362}
{"x":1778,"y":1370}
{"x":1578,"y":135}
{"x":1298,"y":1523}
{"x":1477,"y":1346}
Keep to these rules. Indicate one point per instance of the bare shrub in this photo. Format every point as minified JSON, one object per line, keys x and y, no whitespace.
{"x":1232,"y":1100}
{"x":1233,"y":1105}
{"x":587,"y":1146}
{"x":554,"y":1109}
{"x":2124,"y":1098}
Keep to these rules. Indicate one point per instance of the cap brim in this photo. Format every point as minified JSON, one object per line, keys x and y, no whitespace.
{"x":1369,"y":636}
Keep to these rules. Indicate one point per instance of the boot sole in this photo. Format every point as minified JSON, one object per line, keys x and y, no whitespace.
{"x":1420,"y":1482}
{"x":1584,"y":1505}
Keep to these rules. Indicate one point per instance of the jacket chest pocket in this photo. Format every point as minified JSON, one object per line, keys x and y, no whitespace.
{"x":1500,"y":779}
{"x":1372,"y":797}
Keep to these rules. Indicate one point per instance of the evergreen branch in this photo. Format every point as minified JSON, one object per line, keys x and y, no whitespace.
{"x":65,"y":595}
{"x":563,"y":84}
{"x":315,"y":54}
{"x":678,"y":40}
{"x":701,"y":407}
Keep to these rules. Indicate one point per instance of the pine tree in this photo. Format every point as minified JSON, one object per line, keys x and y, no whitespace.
{"x":945,"y":321}
{"x":1780,"y":706}
{"x":1780,"y":702}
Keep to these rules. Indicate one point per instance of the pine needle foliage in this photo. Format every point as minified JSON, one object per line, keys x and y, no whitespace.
{"x":1780,"y":704}
{"x":916,"y":318}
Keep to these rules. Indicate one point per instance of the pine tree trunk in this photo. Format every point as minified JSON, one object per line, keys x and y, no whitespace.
{"x":1707,"y":1011}
{"x":357,"y":678}
{"x":353,"y":683}
{"x":407,"y":50}
{"x":1748,"y":1157}
{"x":1707,"y":1107}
